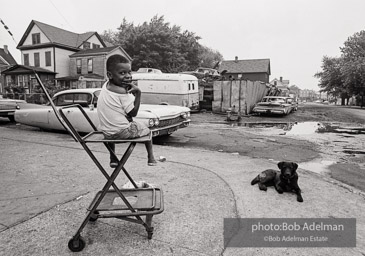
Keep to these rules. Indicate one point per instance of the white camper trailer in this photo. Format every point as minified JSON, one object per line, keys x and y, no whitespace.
{"x":166,"y":88}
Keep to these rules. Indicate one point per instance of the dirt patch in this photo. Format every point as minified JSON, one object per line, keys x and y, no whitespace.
{"x":351,"y":174}
{"x":343,"y":149}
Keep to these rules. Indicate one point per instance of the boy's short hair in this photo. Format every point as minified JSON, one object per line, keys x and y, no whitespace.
{"x":115,"y":59}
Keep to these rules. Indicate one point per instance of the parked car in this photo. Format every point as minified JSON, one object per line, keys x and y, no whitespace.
{"x":201,"y":73}
{"x":276,"y":105}
{"x":162,"y":119}
{"x":8,"y":107}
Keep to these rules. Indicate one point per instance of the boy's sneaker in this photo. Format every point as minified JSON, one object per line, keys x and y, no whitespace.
{"x":113,"y":163}
{"x":152,"y":163}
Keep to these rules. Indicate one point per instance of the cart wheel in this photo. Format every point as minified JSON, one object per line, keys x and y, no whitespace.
{"x":76,"y":245}
{"x":93,"y":219}
{"x":149,"y":235}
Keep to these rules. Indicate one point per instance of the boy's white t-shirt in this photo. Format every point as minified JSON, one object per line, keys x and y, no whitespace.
{"x":112,"y":110}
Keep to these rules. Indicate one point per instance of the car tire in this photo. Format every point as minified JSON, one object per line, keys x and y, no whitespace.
{"x":11,"y":118}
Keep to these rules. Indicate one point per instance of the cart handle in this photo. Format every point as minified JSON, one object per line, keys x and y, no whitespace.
{"x":62,"y":121}
{"x":82,"y":111}
{"x":74,"y":132}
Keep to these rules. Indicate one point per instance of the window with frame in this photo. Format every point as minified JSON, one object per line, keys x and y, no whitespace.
{"x":87,"y":45}
{"x":36,"y":59}
{"x":78,"y":66}
{"x":95,"y":46}
{"x":34,"y":82}
{"x":26,"y":81}
{"x":36,"y":38}
{"x":20,"y":81}
{"x":89,"y":65}
{"x":26,"y":59}
{"x":8,"y":80}
{"x":48,"y":59}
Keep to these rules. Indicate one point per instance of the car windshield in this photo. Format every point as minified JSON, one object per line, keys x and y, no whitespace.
{"x":84,"y":99}
{"x":275,"y":100}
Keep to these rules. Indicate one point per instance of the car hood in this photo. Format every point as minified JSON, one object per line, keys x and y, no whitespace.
{"x":145,"y":110}
{"x":24,"y":105}
{"x":162,"y":111}
{"x":272,"y":104}
{"x":11,"y":101}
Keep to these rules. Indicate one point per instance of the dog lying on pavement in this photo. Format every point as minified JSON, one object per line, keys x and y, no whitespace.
{"x":285,"y":180}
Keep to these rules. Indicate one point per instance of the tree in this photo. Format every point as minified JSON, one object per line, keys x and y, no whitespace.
{"x":209,"y":57}
{"x":294,"y":90}
{"x":157,"y":44}
{"x":110,"y":37}
{"x":331,"y":80}
{"x":353,"y":68}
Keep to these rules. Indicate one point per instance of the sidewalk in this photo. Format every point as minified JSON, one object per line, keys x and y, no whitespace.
{"x":47,"y":186}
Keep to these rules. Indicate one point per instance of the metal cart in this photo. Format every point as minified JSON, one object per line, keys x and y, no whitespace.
{"x":145,"y":201}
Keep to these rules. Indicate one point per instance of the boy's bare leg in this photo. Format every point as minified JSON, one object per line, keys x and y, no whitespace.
{"x":113,"y":161}
{"x":151,"y":157}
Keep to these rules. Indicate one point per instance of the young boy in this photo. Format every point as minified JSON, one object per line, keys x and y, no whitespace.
{"x":118,"y":102}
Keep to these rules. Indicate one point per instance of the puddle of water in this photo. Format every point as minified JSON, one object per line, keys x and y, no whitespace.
{"x":340,"y":134}
{"x":284,"y":126}
{"x":304,"y":128}
{"x":320,"y":167}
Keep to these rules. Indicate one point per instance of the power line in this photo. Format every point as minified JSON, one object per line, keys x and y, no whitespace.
{"x":60,"y":13}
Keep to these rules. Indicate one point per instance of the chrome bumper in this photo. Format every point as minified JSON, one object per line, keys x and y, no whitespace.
{"x":169,"y":129}
{"x":269,"y":111}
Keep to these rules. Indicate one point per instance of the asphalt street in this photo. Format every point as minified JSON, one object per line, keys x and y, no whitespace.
{"x":48,"y":181}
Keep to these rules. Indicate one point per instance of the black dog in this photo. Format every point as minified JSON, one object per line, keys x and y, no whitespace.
{"x":284,"y":181}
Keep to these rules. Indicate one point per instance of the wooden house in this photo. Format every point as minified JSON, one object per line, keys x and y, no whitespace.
{"x":6,"y":61}
{"x":252,"y":69}
{"x":88,"y":67}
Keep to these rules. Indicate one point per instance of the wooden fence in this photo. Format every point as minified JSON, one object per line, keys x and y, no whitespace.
{"x":240,"y":96}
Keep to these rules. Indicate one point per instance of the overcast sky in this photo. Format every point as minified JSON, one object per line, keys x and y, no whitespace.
{"x":293,"y":34}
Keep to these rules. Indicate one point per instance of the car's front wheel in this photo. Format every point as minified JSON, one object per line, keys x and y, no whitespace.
{"x":11,"y":118}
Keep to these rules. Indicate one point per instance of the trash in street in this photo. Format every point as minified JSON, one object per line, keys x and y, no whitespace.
{"x":140,"y":184}
{"x":162,"y":159}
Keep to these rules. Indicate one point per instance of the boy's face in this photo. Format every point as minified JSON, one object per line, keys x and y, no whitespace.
{"x":120,"y":74}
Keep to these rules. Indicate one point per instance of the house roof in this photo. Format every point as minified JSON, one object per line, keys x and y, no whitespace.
{"x":99,"y":51}
{"x":17,"y":69}
{"x":59,"y":36}
{"x":6,"y":58}
{"x":280,"y":83}
{"x":246,"y":66}
{"x":77,"y":77}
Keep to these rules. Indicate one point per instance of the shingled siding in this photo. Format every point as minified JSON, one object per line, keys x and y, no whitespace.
{"x":238,"y":95}
{"x":98,"y":66}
